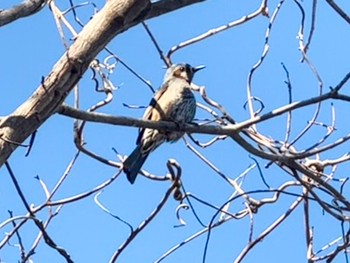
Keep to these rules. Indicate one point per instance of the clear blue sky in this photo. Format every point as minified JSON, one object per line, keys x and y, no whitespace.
{"x":29,"y":49}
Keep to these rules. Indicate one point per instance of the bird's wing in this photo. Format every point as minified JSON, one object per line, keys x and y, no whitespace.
{"x":151,"y":113}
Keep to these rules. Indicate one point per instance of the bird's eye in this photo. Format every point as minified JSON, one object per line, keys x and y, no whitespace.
{"x":182,"y":69}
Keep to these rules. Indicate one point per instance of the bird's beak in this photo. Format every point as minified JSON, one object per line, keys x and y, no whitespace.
{"x":195,"y":69}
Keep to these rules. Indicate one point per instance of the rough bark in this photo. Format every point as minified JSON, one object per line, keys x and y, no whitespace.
{"x":26,"y":8}
{"x":115,"y":17}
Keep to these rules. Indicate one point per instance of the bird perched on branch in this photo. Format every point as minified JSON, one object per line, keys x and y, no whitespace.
{"x":174,"y":101}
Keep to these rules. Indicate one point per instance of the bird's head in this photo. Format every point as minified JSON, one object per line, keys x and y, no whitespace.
{"x":183,"y":71}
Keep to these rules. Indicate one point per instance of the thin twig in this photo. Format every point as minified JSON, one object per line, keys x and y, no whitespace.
{"x":135,"y":232}
{"x":262,"y":10}
{"x":340,"y":11}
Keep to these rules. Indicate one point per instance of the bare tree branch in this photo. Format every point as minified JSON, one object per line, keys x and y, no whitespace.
{"x":339,"y":10}
{"x":115,"y":17}
{"x":165,"y":6}
{"x":311,"y":151}
{"x":26,"y":8}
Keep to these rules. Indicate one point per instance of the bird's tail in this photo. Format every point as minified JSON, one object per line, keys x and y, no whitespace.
{"x":133,"y":164}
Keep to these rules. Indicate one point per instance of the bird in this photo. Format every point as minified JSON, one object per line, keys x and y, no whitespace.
{"x":174,"y":101}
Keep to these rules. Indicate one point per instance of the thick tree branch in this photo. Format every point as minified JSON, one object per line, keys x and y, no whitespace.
{"x":26,"y":8}
{"x":30,"y":7}
{"x":165,"y":6}
{"x":116,"y":16}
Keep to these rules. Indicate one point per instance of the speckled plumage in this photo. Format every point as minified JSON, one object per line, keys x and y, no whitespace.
{"x":174,"y":101}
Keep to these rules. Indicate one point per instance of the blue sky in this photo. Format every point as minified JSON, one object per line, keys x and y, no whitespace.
{"x":30,"y":48}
